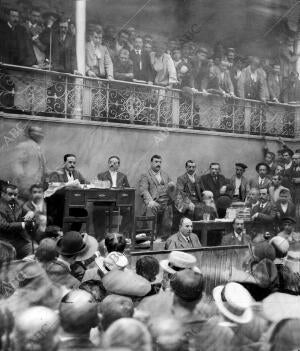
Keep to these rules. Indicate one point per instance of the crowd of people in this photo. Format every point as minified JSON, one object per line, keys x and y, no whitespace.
{"x":47,"y":40}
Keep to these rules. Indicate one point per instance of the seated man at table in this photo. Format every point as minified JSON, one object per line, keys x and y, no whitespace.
{"x":68,"y":173}
{"x":117,"y":180}
{"x":239,"y":236}
{"x":55,"y":203}
{"x":184,"y":238}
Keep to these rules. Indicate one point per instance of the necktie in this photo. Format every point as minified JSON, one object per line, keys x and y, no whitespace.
{"x":188,"y":239}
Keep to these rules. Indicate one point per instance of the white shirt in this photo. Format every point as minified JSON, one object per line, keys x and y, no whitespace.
{"x":38,"y":207}
{"x":186,"y":239}
{"x":113,"y":175}
{"x":261,"y":180}
{"x":289,"y":165}
{"x":284,"y":207}
{"x":191,"y":177}
{"x":254,"y":76}
{"x":262,"y":205}
{"x":238,"y":182}
{"x":70,"y":178}
{"x":238,"y":236}
{"x":158,"y":176}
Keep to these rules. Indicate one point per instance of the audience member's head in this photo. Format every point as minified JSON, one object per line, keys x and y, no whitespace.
{"x":128,"y":332}
{"x":188,"y":287}
{"x":124,"y":56}
{"x":269,"y":157}
{"x":95,"y":36}
{"x":190,"y":167}
{"x":35,"y":15}
{"x":46,"y":251}
{"x":148,"y":47}
{"x":253,"y":196}
{"x":78,"y":312}
{"x":147,"y":267}
{"x":214,"y":169}
{"x":36,"y":192}
{"x":13,"y":17}
{"x":296,"y":159}
{"x":288,"y":224}
{"x":276,"y":180}
{"x":287,"y":156}
{"x":238,"y":225}
{"x":70,"y":162}
{"x":254,"y":63}
{"x":262,"y":169}
{"x":167,"y":333}
{"x":284,"y":195}
{"x":156,"y":161}
{"x":263,"y":195}
{"x":36,"y":329}
{"x":123,"y":37}
{"x":114,"y":307}
{"x":138,"y":43}
{"x":240,"y":169}
{"x":176,"y":54}
{"x":115,"y":242}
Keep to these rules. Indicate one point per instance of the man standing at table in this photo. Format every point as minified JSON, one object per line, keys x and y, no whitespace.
{"x":184,"y":238}
{"x":240,"y":183}
{"x":214,"y":181}
{"x":157,"y":191}
{"x":188,"y":192}
{"x":116,"y":178}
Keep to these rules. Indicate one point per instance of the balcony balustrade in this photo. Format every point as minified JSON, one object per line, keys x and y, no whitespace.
{"x":52,"y":94}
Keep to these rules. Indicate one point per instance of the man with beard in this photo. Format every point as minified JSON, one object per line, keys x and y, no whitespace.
{"x":156,"y":189}
{"x":14,"y":228}
{"x":238,"y":237}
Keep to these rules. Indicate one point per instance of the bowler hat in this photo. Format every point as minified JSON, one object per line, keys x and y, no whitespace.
{"x":71,"y":244}
{"x":262,"y":164}
{"x":289,"y":151}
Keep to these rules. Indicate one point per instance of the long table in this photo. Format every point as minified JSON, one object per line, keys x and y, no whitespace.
{"x":109,"y":198}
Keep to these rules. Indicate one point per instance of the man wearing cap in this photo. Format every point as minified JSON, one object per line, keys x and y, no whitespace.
{"x":263,"y":215}
{"x":185,"y":238}
{"x":240,"y":182}
{"x":214,"y":181}
{"x":239,"y":236}
{"x":188,"y":191}
{"x":157,"y":190}
{"x":261,"y":180}
{"x":284,"y":206}
{"x":287,"y":232}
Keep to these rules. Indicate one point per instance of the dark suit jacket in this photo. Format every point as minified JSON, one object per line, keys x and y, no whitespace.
{"x":61,"y":177}
{"x":16,"y":46}
{"x":183,"y":191}
{"x":290,"y":212}
{"x":63,"y":54}
{"x":210,"y":184}
{"x":11,"y":223}
{"x":255,"y":184}
{"x":146,"y":73}
{"x":176,"y":241}
{"x":230,"y":239}
{"x":266,"y":218}
{"x":122,"y":181}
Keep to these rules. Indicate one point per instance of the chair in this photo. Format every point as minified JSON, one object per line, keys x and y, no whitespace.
{"x":141,"y":226}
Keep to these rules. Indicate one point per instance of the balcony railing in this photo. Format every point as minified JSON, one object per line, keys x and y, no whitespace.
{"x":46,"y":93}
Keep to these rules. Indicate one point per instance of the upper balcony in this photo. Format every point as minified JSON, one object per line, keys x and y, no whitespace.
{"x":53,"y":94}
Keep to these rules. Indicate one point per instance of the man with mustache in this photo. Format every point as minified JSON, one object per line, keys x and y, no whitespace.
{"x":14,"y":229}
{"x":157,"y":191}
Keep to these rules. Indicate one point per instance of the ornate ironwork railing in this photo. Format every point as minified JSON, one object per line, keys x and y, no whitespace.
{"x":46,"y":93}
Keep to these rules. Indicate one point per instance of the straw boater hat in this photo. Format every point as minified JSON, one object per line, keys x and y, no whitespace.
{"x":113,"y":261}
{"x":178,"y":261}
{"x":234,"y":302}
{"x":280,"y":306}
{"x":293,"y":261}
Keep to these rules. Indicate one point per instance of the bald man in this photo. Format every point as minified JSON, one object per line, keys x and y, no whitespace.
{"x":36,"y":329}
{"x":184,"y":238}
{"x":78,"y":315}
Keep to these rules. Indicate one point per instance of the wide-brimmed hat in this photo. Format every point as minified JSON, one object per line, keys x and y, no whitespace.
{"x":126,"y":283}
{"x":234,"y":302}
{"x":28,"y":271}
{"x":178,"y":261}
{"x":280,"y":306}
{"x":242,"y":165}
{"x":281,"y":246}
{"x":59,"y":273}
{"x":113,"y":261}
{"x":81,"y":245}
{"x":288,"y":220}
{"x":262,"y":164}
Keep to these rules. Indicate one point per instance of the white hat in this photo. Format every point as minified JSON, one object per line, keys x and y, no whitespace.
{"x":113,"y":261}
{"x":293,"y":261}
{"x":177,"y":261}
{"x":234,"y":302}
{"x":280,"y":306}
